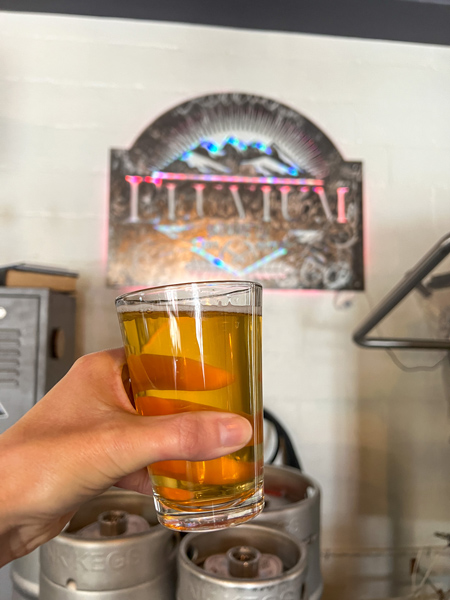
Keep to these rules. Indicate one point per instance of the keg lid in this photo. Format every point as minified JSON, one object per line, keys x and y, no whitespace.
{"x":247,"y":552}
{"x":244,"y":562}
{"x":113,"y":523}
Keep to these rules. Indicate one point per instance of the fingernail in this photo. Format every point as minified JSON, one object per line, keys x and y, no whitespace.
{"x":234,"y":431}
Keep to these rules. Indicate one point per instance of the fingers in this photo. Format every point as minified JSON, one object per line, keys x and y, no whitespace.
{"x":117,"y":356}
{"x":189,"y":436}
{"x":137,"y":482}
{"x":125,"y":375}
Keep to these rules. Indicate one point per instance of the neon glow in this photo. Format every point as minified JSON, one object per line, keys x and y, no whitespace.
{"x":262,"y":147}
{"x":221,"y":264}
{"x":341,"y":207}
{"x":172,"y":231}
{"x":234,"y":141}
{"x":214,"y":260}
{"x":267,"y":186}
{"x":214,"y":148}
{"x":211,"y":147}
{"x":263,"y":261}
{"x":323,"y":199}
{"x":160,"y":175}
{"x":250,"y":189}
{"x":134,"y":181}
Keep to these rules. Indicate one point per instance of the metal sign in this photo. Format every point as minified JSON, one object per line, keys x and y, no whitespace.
{"x":234,"y":186}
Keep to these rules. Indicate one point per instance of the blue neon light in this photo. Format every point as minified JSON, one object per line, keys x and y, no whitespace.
{"x":265,"y":260}
{"x":214,"y":148}
{"x":221,"y":264}
{"x":210,"y":146}
{"x":172,"y":231}
{"x":212,"y":259}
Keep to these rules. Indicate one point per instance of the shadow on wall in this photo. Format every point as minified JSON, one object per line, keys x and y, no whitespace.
{"x":403,"y":457}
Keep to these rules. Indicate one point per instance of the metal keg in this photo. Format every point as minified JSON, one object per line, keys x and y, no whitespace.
{"x":248,"y":562}
{"x":293,"y":505}
{"x":25,"y":576}
{"x":113,"y":549}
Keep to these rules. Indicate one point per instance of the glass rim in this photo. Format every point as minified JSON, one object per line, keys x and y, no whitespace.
{"x":125,"y":298}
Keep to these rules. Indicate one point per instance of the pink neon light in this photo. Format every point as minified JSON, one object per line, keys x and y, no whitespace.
{"x":285,"y":189}
{"x":318,"y":190}
{"x":134,"y":179}
{"x":234,"y":179}
{"x":252,"y":188}
{"x":304,"y":190}
{"x":341,"y":208}
{"x":153,"y":180}
{"x":234,"y":188}
{"x":219,"y":186}
{"x":171,"y":186}
{"x":266,"y":188}
{"x":199,"y":186}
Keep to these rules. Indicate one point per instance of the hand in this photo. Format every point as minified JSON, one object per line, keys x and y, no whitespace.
{"x":83,"y":437}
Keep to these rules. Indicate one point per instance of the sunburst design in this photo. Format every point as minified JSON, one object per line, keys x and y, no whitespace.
{"x":235,"y":185}
{"x":217,"y":116}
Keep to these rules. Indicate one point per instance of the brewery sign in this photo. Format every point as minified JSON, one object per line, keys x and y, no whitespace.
{"x":235,"y":186}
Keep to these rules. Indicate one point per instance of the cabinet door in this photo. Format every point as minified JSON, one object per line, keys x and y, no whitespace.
{"x":19,"y":332}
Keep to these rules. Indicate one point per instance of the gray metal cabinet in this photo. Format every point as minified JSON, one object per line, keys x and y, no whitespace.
{"x":37,"y":346}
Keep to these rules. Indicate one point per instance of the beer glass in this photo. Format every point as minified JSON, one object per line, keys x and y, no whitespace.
{"x":197,"y":347}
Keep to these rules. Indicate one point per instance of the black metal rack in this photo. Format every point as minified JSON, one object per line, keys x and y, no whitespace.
{"x":412,"y":280}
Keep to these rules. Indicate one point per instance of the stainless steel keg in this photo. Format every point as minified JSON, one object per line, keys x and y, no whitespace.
{"x":25,"y":576}
{"x":113,"y":549}
{"x":293,"y":505}
{"x":249,"y":562}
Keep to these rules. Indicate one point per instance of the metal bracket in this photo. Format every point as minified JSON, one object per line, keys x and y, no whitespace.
{"x":413,"y":279}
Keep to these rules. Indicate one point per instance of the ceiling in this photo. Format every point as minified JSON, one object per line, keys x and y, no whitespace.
{"x":420,"y":21}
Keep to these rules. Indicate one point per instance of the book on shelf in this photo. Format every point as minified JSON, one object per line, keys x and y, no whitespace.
{"x":28,"y":275}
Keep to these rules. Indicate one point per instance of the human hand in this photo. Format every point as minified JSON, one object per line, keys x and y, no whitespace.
{"x":83,"y":437}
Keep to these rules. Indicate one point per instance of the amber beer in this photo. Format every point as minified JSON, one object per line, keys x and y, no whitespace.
{"x":197,"y":353}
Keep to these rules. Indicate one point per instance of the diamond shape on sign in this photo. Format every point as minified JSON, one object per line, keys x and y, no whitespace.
{"x":3,"y":412}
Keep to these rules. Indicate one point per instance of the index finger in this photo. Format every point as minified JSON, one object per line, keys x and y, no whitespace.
{"x":118,"y":356}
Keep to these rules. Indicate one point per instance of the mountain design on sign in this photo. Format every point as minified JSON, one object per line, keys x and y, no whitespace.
{"x":235,"y":157}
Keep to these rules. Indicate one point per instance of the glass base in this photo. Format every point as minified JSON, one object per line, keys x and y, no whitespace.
{"x":209,"y":519}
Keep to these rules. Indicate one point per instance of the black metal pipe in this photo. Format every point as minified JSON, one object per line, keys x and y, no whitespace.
{"x":411,"y":280}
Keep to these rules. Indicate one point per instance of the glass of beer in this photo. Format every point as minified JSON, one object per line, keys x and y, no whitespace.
{"x":197,"y":347}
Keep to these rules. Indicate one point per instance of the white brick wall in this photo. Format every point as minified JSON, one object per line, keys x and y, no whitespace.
{"x":374,"y":437}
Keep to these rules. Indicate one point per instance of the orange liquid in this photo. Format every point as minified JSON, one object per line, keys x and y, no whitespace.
{"x":182,"y":363}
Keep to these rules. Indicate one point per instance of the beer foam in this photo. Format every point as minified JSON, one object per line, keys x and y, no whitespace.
{"x":181,"y":307}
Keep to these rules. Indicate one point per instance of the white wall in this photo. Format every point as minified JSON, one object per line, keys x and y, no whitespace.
{"x":374,"y":437}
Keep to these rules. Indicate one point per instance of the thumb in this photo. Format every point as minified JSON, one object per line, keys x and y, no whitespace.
{"x":192,"y":436}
